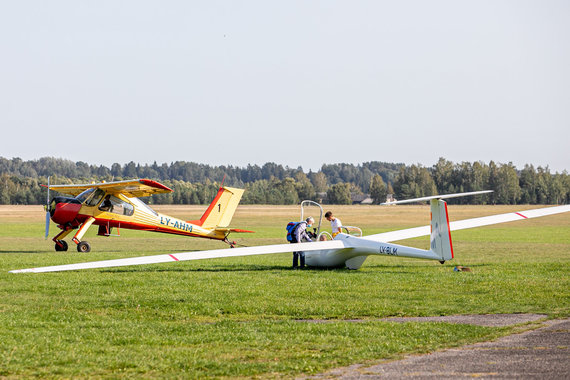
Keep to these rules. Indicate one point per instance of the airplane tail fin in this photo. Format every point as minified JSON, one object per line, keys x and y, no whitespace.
{"x":222,"y":208}
{"x":441,"y":243}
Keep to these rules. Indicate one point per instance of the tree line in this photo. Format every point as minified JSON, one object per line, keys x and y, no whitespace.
{"x":272,"y":183}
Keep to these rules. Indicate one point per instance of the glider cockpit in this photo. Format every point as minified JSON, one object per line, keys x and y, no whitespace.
{"x":308,"y":207}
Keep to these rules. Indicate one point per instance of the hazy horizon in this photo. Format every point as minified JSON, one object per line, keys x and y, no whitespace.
{"x":306,"y":170}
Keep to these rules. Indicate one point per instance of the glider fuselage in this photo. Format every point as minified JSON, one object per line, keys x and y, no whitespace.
{"x":356,"y":249}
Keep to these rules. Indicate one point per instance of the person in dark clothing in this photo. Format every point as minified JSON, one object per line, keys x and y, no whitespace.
{"x":300,"y":234}
{"x":106,"y":205}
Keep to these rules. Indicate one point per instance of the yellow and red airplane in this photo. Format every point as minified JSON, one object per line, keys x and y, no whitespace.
{"x":117,"y":205}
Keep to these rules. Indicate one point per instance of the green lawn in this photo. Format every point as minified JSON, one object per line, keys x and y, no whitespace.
{"x":253,"y":316}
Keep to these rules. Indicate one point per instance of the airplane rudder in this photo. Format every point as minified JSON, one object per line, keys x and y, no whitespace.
{"x":222,"y":208}
{"x":441,"y":242}
{"x":232,"y":201}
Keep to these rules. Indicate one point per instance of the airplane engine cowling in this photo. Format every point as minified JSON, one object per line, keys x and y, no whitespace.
{"x":64,"y":211}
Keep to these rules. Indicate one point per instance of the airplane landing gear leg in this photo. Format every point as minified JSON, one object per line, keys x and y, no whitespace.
{"x":83,"y":246}
{"x":60,"y":244}
{"x":231,"y":243}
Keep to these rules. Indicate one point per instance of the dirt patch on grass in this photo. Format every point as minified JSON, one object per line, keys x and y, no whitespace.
{"x":490,"y":320}
{"x":11,"y":213}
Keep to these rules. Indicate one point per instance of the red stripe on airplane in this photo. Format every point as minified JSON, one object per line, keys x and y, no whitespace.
{"x":210,"y":208}
{"x":175,"y":259}
{"x":449,"y":230}
{"x":155,"y":184}
{"x":521,"y":215}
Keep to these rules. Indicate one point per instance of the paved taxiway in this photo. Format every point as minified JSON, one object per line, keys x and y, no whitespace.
{"x":536,"y":354}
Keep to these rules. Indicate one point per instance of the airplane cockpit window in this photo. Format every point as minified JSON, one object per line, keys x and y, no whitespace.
{"x":84,"y":195}
{"x":95,"y":198}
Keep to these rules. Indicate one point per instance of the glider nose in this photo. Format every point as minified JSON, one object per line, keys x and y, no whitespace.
{"x":64,"y":210}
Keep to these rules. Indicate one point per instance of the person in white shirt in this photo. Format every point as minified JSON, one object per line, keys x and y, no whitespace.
{"x":335,"y":223}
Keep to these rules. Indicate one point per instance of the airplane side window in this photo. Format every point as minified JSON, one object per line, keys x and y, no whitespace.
{"x":142,"y":206}
{"x":121,"y":207}
{"x":129,"y":209}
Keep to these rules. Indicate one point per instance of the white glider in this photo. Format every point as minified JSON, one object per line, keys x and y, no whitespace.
{"x":345,"y":250}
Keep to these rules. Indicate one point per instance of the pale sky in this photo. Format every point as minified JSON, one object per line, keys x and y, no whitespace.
{"x":298,"y":83}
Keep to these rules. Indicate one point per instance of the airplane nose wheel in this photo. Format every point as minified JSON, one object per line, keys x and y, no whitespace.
{"x":83,"y":247}
{"x":61,"y":246}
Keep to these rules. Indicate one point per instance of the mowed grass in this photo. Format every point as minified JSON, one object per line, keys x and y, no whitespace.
{"x":253,"y":316}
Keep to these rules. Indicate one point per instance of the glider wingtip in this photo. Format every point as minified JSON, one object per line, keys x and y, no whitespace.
{"x":22,"y":271}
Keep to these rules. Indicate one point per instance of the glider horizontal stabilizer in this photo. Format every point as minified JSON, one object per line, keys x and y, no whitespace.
{"x":444,"y":196}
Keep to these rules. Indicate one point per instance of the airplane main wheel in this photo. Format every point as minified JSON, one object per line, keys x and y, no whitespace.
{"x":62,"y":247}
{"x":83,"y":247}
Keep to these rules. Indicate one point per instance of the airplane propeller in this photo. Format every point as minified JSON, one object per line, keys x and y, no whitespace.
{"x":47,"y":211}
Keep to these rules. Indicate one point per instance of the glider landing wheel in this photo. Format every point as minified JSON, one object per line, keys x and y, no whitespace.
{"x":83,"y":247}
{"x":62,"y":247}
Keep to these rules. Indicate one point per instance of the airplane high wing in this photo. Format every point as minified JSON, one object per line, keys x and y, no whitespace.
{"x":345,"y":249}
{"x":131,"y":188}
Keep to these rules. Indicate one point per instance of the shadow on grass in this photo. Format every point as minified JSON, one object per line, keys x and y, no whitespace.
{"x":228,"y":268}
{"x":18,"y":251}
{"x":72,"y":251}
{"x":384,"y":269}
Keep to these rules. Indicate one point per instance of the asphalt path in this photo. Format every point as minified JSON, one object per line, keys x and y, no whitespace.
{"x":536,"y":354}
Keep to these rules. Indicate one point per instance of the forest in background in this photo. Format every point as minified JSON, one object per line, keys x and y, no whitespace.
{"x":272,"y":183}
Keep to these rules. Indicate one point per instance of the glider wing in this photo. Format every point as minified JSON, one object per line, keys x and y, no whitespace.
{"x":198,"y":255}
{"x":387,"y":237}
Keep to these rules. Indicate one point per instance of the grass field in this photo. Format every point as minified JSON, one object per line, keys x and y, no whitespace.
{"x":253,"y":316}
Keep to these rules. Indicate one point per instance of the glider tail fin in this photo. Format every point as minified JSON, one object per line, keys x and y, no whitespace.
{"x":222,"y":208}
{"x":441,"y":243}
